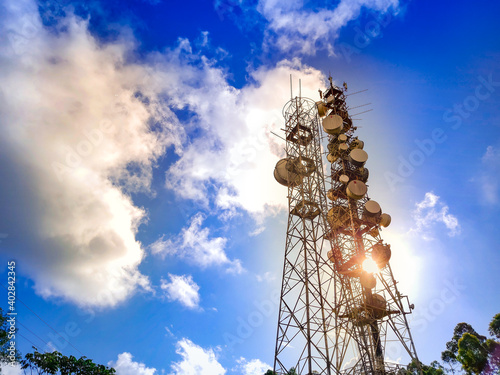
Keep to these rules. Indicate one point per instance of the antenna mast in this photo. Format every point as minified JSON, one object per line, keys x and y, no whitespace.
{"x":339,"y":305}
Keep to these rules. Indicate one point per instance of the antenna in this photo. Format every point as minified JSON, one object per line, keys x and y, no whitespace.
{"x":300,"y":88}
{"x":358,"y":106}
{"x":363,"y":112}
{"x":291,"y":92}
{"x":278,"y":136}
{"x":357,"y":92}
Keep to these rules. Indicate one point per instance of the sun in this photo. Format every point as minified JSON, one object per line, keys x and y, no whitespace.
{"x":370,"y":266}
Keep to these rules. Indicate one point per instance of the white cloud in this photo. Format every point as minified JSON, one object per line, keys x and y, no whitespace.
{"x":169,"y":332}
{"x":431,"y":211}
{"x":292,"y":27}
{"x":126,"y":366}
{"x":196,"y":360}
{"x":429,"y":201}
{"x":257,"y":231}
{"x":163,"y":247}
{"x":235,"y":267}
{"x":77,"y":121}
{"x":252,"y":367}
{"x":182,"y":289}
{"x":236,"y":154}
{"x":7,"y":369}
{"x":488,"y":176}
{"x":195,"y":244}
{"x":267,"y":276}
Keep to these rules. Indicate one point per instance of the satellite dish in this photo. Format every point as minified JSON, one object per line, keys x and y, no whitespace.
{"x":284,"y":176}
{"x":343,"y":147}
{"x":358,"y":157}
{"x":363,"y":174}
{"x":372,"y":210}
{"x":343,"y":179}
{"x":332,"y":124}
{"x":321,"y":109}
{"x":356,"y":143}
{"x":381,"y":254}
{"x":331,"y":158}
{"x":385,"y":220}
{"x":356,"y":189}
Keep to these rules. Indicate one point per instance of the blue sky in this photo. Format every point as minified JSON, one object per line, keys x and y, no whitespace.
{"x":136,"y":160}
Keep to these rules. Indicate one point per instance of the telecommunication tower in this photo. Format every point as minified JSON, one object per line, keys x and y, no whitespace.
{"x":339,"y":307}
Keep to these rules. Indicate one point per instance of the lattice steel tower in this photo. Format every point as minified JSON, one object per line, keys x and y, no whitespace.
{"x":339,"y":305}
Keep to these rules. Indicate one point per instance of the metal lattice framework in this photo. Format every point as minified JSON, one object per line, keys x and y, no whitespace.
{"x":336,"y":316}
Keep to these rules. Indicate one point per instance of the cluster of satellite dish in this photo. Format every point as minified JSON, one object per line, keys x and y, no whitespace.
{"x":351,"y":178}
{"x":351,"y":210}
{"x":350,"y":220}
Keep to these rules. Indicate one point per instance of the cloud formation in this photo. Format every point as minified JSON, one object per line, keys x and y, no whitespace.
{"x":85,"y":128}
{"x":252,"y":367}
{"x":124,"y":365}
{"x":196,"y":360}
{"x":429,"y":212}
{"x":235,"y":153}
{"x":305,"y":27}
{"x":266,"y":277}
{"x":292,"y":27}
{"x":7,"y":369}
{"x":197,"y":246}
{"x":488,"y":176}
{"x":183,"y":289}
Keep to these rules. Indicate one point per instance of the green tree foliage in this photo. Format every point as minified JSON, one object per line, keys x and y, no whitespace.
{"x":474,"y":352}
{"x":493,"y":349}
{"x":48,"y":363}
{"x":450,"y":354}
{"x":433,"y":369}
{"x":494,"y":327}
{"x":471,"y":354}
{"x":56,"y":363}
